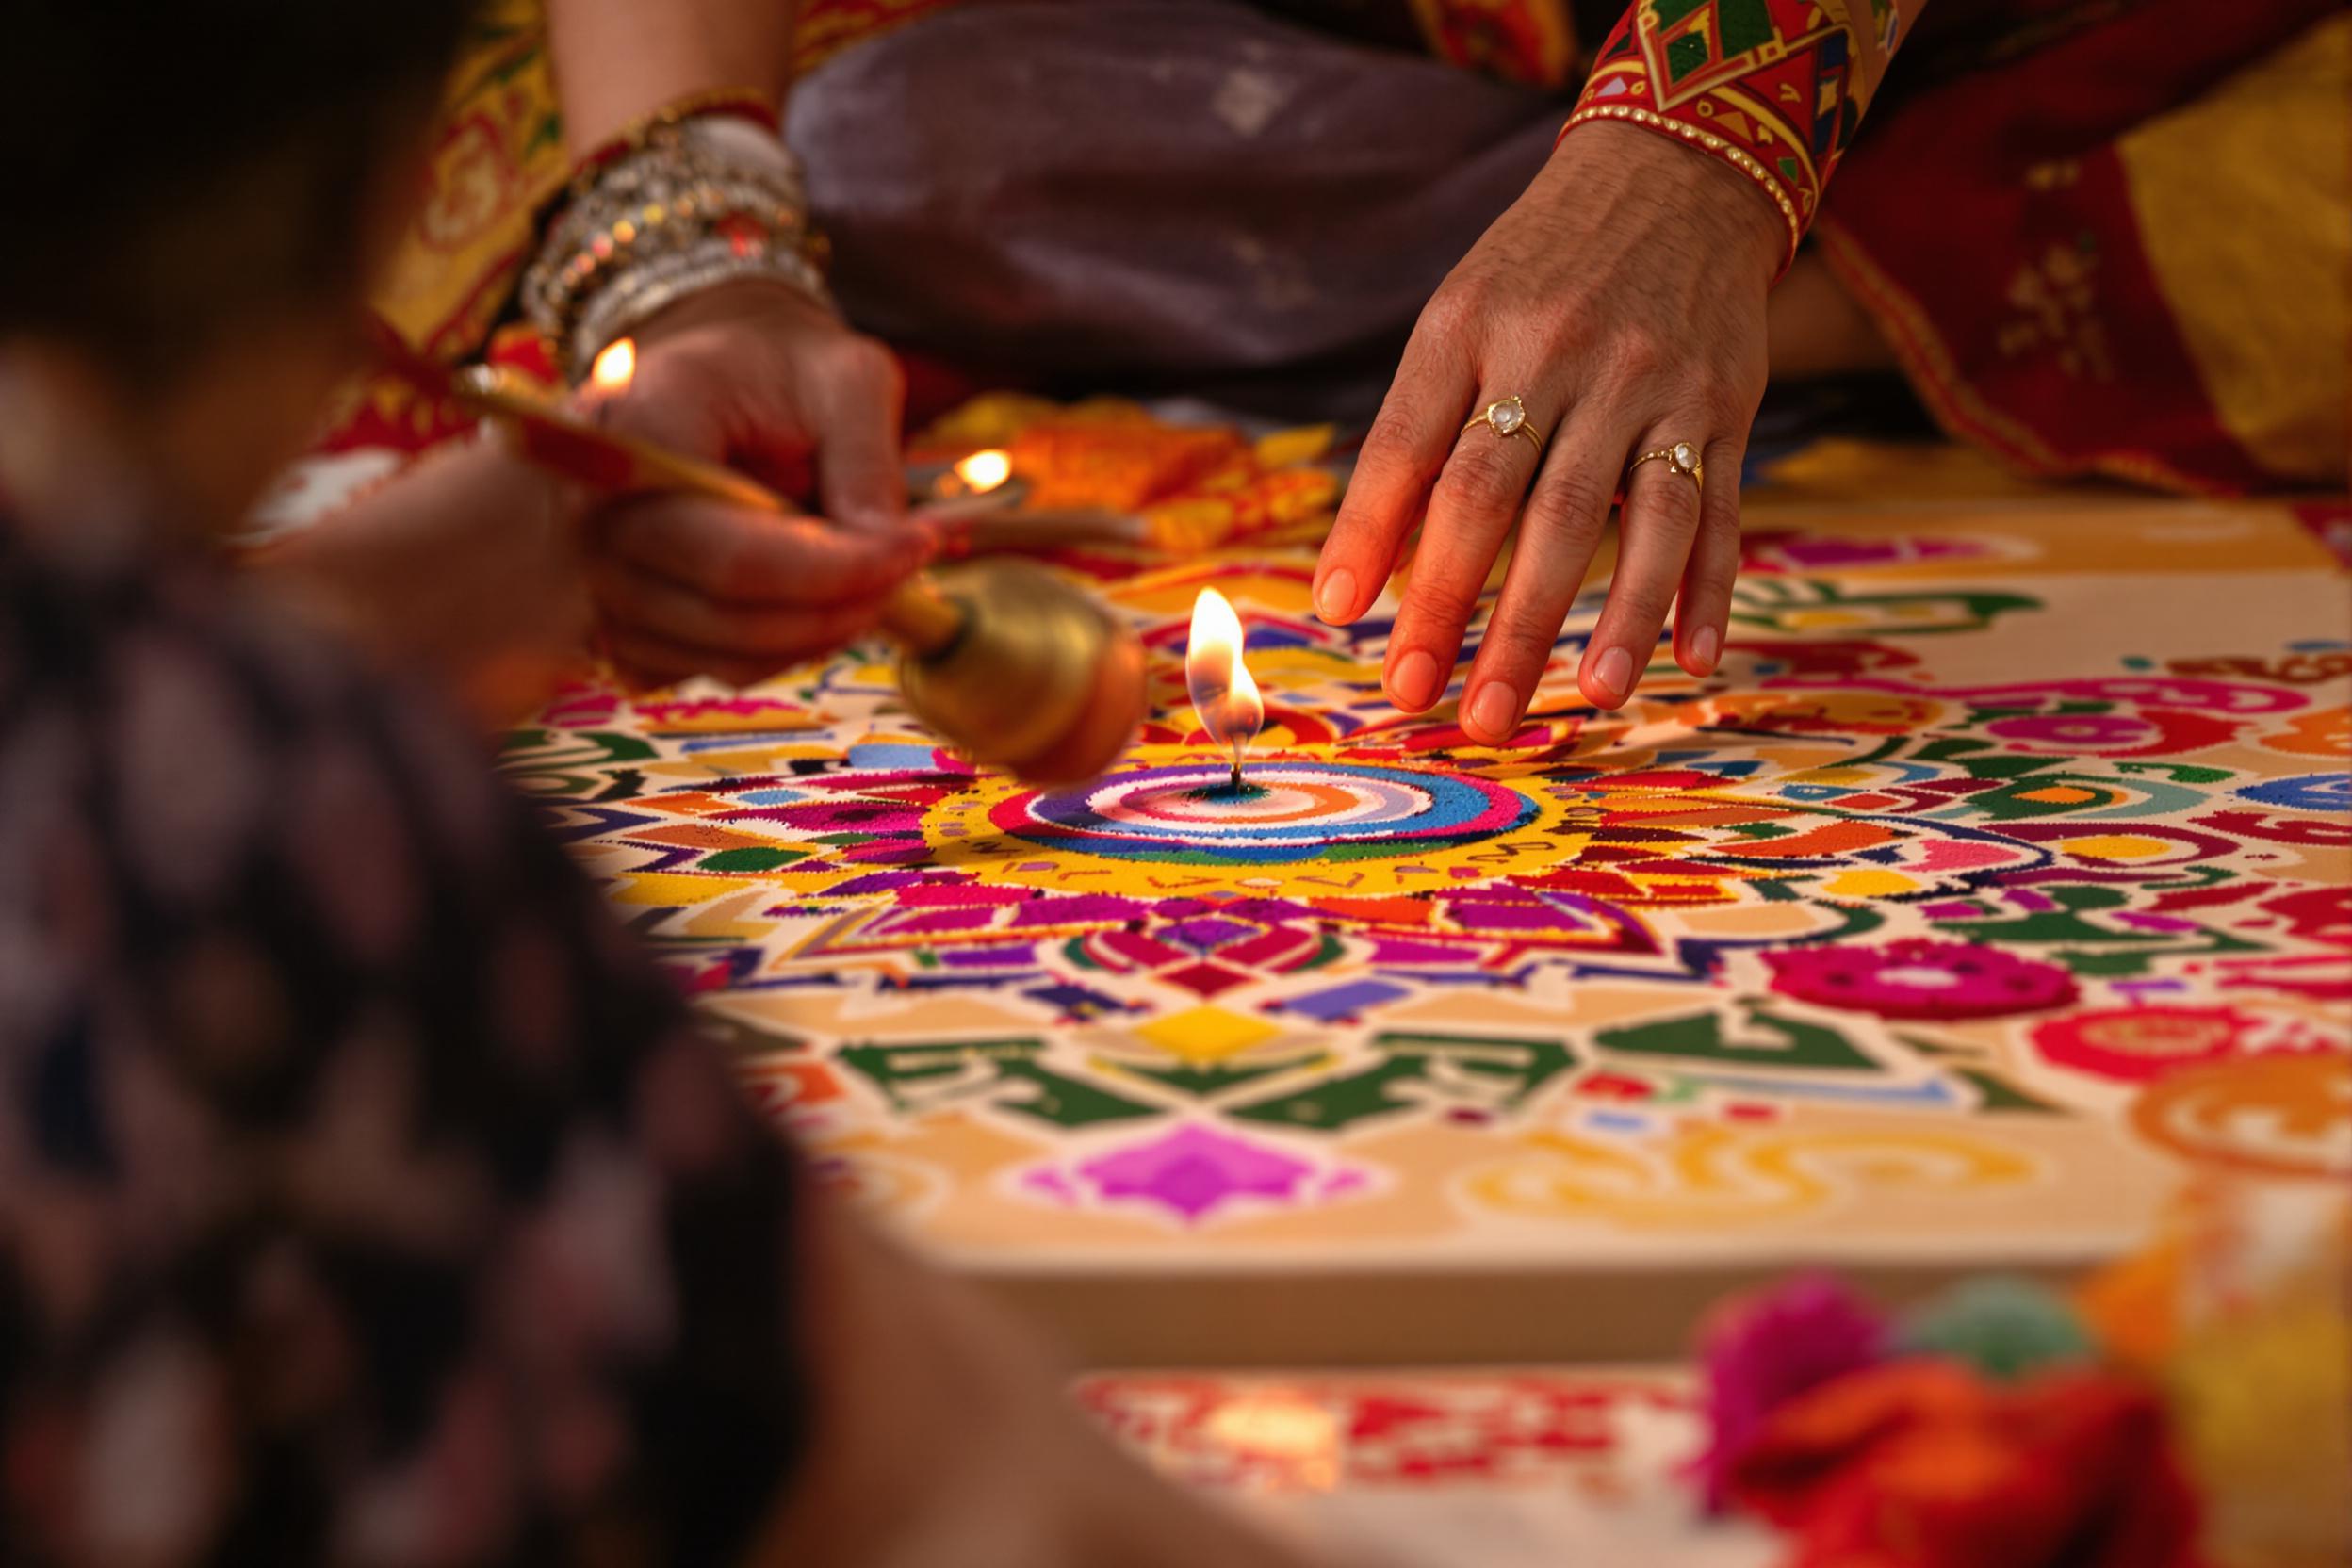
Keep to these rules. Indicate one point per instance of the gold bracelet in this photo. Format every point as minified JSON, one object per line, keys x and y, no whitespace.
{"x":1738,"y":157}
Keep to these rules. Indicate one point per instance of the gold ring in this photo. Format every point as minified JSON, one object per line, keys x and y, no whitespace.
{"x":1506,"y":418}
{"x":1682,"y":457}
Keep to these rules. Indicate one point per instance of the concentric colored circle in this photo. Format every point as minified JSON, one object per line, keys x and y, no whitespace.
{"x":1291,"y":812}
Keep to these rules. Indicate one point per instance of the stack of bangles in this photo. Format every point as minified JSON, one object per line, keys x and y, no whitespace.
{"x":700,"y":192}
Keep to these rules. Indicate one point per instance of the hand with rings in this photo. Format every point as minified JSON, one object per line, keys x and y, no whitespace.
{"x":1608,"y":329}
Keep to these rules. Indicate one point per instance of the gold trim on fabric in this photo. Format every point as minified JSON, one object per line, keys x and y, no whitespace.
{"x":2245,"y":203}
{"x":1950,"y":399}
{"x":1867,"y":53}
{"x":496,"y":157}
{"x":1698,"y":136}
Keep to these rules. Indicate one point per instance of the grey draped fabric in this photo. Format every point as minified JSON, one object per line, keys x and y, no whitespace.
{"x":1156,"y":195}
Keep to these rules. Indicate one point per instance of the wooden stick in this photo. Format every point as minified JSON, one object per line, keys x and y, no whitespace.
{"x":608,"y":460}
{"x":917,"y":613}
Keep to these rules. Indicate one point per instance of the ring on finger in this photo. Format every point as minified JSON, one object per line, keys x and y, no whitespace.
{"x":1506,"y":418}
{"x":1681,"y":458}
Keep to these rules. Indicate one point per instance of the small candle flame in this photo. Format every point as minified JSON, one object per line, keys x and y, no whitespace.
{"x":1222,"y":692}
{"x":984,"y":471}
{"x":615,"y":367}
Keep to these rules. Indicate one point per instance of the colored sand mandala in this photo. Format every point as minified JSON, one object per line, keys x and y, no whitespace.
{"x":1988,"y":885}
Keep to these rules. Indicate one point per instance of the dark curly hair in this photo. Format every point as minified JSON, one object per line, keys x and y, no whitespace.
{"x":176,"y":166}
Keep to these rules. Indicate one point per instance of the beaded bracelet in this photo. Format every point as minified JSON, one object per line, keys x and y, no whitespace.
{"x":1706,"y":141}
{"x":662,"y":199}
{"x":698,"y":193}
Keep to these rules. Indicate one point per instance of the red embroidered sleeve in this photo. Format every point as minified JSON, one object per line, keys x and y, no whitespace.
{"x":1774,"y":87}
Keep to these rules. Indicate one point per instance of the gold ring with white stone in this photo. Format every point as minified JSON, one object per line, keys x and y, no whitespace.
{"x":1506,"y":418}
{"x":1682,"y":457}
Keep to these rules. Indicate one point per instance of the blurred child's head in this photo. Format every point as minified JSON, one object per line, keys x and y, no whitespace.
{"x":199,"y":191}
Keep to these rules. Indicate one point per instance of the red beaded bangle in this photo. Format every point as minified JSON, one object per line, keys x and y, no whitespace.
{"x":1772,"y":88}
{"x":1709,"y":142}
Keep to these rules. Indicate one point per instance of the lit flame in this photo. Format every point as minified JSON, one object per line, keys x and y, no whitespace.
{"x":615,"y":367}
{"x":984,"y":471}
{"x":1222,"y":692}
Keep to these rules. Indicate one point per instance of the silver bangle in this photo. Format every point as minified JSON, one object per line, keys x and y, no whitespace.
{"x":647,"y":289}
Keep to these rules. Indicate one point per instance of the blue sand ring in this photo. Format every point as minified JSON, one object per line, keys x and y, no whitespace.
{"x":1295,"y":811}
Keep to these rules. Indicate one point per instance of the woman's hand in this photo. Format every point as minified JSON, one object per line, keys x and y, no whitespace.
{"x":686,"y":586}
{"x":757,"y":376}
{"x":1622,"y":300}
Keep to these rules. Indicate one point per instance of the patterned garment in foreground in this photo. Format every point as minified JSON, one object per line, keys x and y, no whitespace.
{"x":2002,"y":867}
{"x":364,"y":1196}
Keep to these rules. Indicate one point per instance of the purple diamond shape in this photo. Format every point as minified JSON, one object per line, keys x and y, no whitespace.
{"x":1208,"y":931}
{"x":1193,"y":1170}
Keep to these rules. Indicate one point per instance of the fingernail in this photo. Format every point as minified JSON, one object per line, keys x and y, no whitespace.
{"x":1335,"y":596}
{"x":1612,"y":673}
{"x":1413,"y":682}
{"x":1706,"y":644}
{"x":1496,"y":709}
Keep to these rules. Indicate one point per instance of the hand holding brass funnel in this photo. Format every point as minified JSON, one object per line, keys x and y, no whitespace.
{"x":1005,"y":660}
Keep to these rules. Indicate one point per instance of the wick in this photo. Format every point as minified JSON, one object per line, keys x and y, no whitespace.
{"x":1234,"y":788}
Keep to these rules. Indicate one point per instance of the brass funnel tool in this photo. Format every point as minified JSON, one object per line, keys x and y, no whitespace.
{"x":1038,"y":679}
